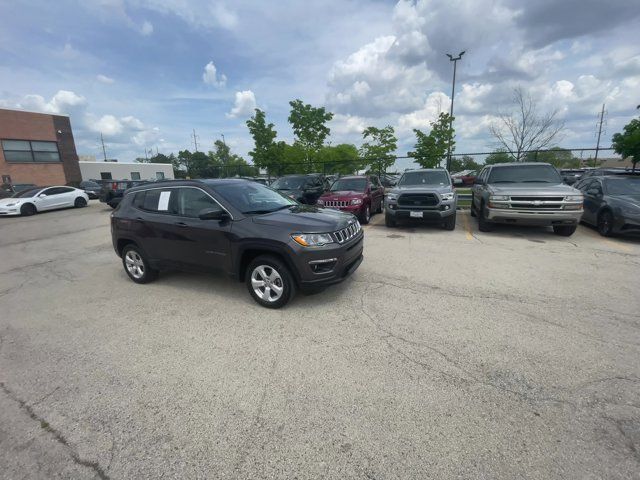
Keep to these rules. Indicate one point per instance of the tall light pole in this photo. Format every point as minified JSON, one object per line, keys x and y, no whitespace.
{"x":453,"y":93}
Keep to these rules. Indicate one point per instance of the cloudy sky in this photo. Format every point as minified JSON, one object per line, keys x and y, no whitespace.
{"x":147,"y":72}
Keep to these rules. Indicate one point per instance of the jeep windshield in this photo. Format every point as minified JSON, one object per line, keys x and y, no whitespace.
{"x":435,"y":177}
{"x":289,"y":183}
{"x":525,"y":174}
{"x":253,"y":198}
{"x":349,"y":184}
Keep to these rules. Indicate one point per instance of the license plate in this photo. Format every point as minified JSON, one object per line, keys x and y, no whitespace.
{"x":415,"y":214}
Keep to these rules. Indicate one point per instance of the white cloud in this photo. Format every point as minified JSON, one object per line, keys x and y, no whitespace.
{"x":224,"y":17}
{"x":108,"y":125}
{"x":347,"y":124}
{"x":63,"y":102}
{"x":244,"y":105}
{"x":146,"y":28}
{"x":104,"y":79}
{"x":421,"y":119}
{"x":211,"y":76}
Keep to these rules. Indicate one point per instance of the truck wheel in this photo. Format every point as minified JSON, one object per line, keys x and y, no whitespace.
{"x":379,"y":210}
{"x":564,"y":230}
{"x":472,"y":209}
{"x":389,"y":221}
{"x":450,"y":223}
{"x":365,"y":216}
{"x":269,"y":282}
{"x":137,"y":266}
{"x":483,"y":224}
{"x":605,"y":223}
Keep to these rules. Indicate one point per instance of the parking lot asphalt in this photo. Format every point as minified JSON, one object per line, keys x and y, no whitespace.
{"x":511,"y":354}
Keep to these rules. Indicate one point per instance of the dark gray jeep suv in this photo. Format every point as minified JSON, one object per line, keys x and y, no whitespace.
{"x":243,"y":228}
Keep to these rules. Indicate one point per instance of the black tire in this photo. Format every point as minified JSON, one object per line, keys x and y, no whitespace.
{"x":483,"y":224}
{"x":365,"y":216}
{"x":605,"y":223}
{"x":283,"y":279}
{"x":389,"y":221}
{"x":472,"y":208}
{"x":564,"y":230}
{"x":450,"y":223}
{"x":80,"y":202}
{"x":28,"y":209}
{"x":143,"y":273}
{"x":380,"y":205}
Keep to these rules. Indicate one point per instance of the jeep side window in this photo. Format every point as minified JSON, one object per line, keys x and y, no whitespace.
{"x":192,"y":201}
{"x":157,"y":200}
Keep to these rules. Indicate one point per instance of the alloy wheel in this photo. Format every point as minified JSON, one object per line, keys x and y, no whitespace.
{"x":267,"y":283}
{"x":134,"y":263}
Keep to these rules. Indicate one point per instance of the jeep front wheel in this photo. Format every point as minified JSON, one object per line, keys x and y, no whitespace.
{"x":269,"y":282}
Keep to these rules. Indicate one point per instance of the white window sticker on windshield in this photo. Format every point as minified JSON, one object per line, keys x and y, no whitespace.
{"x":163,"y":203}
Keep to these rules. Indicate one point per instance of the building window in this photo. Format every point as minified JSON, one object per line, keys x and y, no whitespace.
{"x":24,"y":151}
{"x":105,"y":175}
{"x":135,"y":175}
{"x":159,"y":175}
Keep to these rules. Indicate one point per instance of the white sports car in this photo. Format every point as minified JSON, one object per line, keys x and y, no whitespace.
{"x":40,"y":199}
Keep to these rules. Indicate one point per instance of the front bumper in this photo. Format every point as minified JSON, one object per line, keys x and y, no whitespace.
{"x":320,"y":267}
{"x":353,"y":209}
{"x":434,"y":214}
{"x":530,"y":217}
{"x":626,"y":223}
{"x":9,"y":211}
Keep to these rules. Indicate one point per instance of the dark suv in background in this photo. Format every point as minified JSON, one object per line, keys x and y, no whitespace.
{"x":303,"y":188}
{"x":251,"y":232}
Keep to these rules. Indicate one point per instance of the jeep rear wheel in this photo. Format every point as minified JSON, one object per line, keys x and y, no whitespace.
{"x":269,"y":282}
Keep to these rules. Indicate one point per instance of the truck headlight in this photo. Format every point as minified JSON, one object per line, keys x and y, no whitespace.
{"x":447,"y":196}
{"x":356,"y":201}
{"x":312,"y":239}
{"x":574,"y":198}
{"x":392,"y":197}
{"x":499,"y":198}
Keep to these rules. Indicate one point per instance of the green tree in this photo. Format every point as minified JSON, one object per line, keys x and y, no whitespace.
{"x":342,"y":158}
{"x":159,"y":158}
{"x":378,"y":152}
{"x":465,"y":162}
{"x":266,"y":152}
{"x":223,"y":163}
{"x":499,"y":156}
{"x":627,"y":143}
{"x":431,"y":149}
{"x":309,"y":127}
{"x":558,"y":157}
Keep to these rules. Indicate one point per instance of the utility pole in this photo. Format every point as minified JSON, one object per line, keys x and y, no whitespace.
{"x":595,"y":159}
{"x":453,"y":93}
{"x":104,"y":150}
{"x":195,"y":140}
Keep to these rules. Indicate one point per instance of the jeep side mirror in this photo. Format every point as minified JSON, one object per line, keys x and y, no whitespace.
{"x":212,"y":214}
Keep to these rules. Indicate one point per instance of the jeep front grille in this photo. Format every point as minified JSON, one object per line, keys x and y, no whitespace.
{"x":348,"y":233}
{"x":417,"y":200}
{"x":336,"y":203}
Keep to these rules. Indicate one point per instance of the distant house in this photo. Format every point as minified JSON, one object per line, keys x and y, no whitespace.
{"x":126,"y":171}
{"x":610,"y":162}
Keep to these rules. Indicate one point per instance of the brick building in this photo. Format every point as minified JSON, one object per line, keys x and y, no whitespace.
{"x":37,"y":148}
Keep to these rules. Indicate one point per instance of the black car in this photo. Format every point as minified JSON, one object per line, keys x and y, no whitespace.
{"x":8,"y":189}
{"x":303,"y":188}
{"x":251,"y":232}
{"x":112,"y":191}
{"x":612,"y":203}
{"x":571,"y":175}
{"x":91,"y":188}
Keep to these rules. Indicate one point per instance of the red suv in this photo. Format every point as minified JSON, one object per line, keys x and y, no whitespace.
{"x":360,"y":195}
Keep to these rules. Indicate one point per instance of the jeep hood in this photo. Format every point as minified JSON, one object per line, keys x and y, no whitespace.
{"x":533,"y":189}
{"x":422,"y":189}
{"x":306,"y":219}
{"x":342,"y":195}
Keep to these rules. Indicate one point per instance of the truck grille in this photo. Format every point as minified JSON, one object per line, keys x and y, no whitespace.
{"x":418,"y":200}
{"x":336,"y":203}
{"x":534,"y":203}
{"x":348,"y":233}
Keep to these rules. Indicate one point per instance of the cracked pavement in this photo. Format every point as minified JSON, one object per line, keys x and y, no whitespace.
{"x":511,"y":354}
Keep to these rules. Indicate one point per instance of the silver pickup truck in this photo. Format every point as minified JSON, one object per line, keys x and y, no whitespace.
{"x":525,"y":194}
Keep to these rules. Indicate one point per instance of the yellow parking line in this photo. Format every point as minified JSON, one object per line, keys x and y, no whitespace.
{"x":618,"y":245}
{"x":467,"y":226}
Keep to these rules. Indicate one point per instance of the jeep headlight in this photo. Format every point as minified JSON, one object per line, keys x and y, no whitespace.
{"x":356,"y":201}
{"x":447,"y":196}
{"x":573,"y":198}
{"x":312,"y":239}
{"x":498,"y":198}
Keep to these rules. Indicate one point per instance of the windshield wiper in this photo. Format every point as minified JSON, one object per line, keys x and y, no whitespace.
{"x":262,"y":212}
{"x":503,"y":181}
{"x":536,"y":181}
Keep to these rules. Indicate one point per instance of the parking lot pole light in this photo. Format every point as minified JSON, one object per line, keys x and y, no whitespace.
{"x":453,"y":93}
